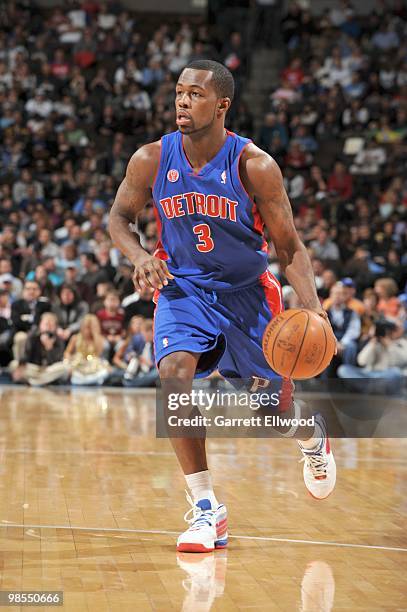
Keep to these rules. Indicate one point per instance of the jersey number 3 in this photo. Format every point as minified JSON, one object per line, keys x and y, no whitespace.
{"x":205,"y":244}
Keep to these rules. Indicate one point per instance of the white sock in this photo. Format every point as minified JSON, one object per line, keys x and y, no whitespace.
{"x":315,"y":442}
{"x":200,"y":485}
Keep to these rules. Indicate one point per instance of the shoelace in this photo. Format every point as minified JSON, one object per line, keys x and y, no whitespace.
{"x":199,"y":517}
{"x":316,"y":463}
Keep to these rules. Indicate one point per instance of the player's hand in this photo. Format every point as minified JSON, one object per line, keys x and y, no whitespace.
{"x":150,"y":272}
{"x":323,"y":313}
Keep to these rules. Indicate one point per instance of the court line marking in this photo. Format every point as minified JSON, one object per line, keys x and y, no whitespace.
{"x":57,"y":389}
{"x":11,"y":451}
{"x":236,"y":537}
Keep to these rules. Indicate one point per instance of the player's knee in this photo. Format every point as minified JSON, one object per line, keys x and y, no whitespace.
{"x":179,"y":366}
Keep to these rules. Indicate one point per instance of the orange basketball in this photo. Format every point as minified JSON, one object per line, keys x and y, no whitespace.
{"x":298,"y":343}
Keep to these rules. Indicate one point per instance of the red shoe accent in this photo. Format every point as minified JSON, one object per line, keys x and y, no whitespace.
{"x":328,"y":446}
{"x":222,"y":523}
{"x":193,"y":548}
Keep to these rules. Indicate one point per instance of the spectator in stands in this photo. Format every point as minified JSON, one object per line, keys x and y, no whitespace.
{"x":45,"y":245}
{"x":53,"y":275}
{"x":402,"y":314}
{"x":297,"y":157}
{"x":6,"y":328}
{"x":382,"y":361}
{"x":385,"y":39}
{"x":42,"y":360}
{"x":294,"y":183}
{"x":6,"y":276}
{"x":131,"y":346}
{"x":285,"y":93}
{"x":25,"y":313}
{"x":102,"y":289}
{"x":323,"y":247}
{"x":104,"y":262}
{"x":69,"y":312}
{"x":21,"y":187}
{"x":39,"y":105}
{"x":111,"y":319}
{"x":349,"y":291}
{"x":41,"y":276}
{"x":84,"y":354}
{"x":369,"y":160}
{"x":124,"y":281}
{"x":389,"y":304}
{"x":340,"y":182}
{"x":369,"y":316}
{"x":306,"y":141}
{"x":90,"y":277}
{"x":69,"y":257}
{"x":294,"y":73}
{"x":318,"y":269}
{"x":5,"y":305}
{"x":141,"y":371}
{"x":271,"y":128}
{"x":291,"y":23}
{"x":345,"y":324}
{"x":138,"y":303}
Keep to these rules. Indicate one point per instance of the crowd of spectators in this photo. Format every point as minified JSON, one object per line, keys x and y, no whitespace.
{"x":337,"y":125}
{"x":83,"y":85}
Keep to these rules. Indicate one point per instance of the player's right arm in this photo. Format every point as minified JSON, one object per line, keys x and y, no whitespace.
{"x":132,"y":196}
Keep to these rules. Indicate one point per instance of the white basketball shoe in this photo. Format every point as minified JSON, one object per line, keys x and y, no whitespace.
{"x":208,"y":527}
{"x":319,"y":465}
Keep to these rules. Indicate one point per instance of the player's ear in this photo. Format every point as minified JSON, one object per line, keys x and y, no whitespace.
{"x":223,"y":105}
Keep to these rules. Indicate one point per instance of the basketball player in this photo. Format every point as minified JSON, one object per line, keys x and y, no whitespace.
{"x":213,"y":192}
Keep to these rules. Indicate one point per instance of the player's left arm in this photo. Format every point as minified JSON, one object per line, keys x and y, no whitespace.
{"x":264,"y":182}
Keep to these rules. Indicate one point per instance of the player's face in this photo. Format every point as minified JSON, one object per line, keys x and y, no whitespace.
{"x":196,"y":101}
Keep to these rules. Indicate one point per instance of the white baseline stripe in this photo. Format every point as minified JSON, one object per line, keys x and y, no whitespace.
{"x":236,"y":537}
{"x":11,"y":451}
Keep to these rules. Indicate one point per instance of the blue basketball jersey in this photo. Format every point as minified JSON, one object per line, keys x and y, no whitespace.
{"x":210,"y":229}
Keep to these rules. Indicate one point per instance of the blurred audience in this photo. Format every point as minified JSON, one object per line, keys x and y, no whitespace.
{"x":82,"y":89}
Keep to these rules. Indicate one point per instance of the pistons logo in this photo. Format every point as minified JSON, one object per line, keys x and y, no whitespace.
{"x":173,"y":175}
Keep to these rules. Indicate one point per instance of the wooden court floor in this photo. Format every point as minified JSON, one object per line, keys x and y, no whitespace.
{"x":91,"y":504}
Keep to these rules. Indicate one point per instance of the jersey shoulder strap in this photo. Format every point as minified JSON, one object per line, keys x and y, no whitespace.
{"x":168,"y":158}
{"x":239,"y":144}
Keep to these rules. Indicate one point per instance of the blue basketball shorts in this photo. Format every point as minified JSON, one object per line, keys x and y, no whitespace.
{"x":225,"y":327}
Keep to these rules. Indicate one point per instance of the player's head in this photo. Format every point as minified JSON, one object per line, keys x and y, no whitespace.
{"x":204,"y":93}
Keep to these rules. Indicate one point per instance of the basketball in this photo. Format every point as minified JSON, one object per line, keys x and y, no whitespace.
{"x":299,"y":344}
